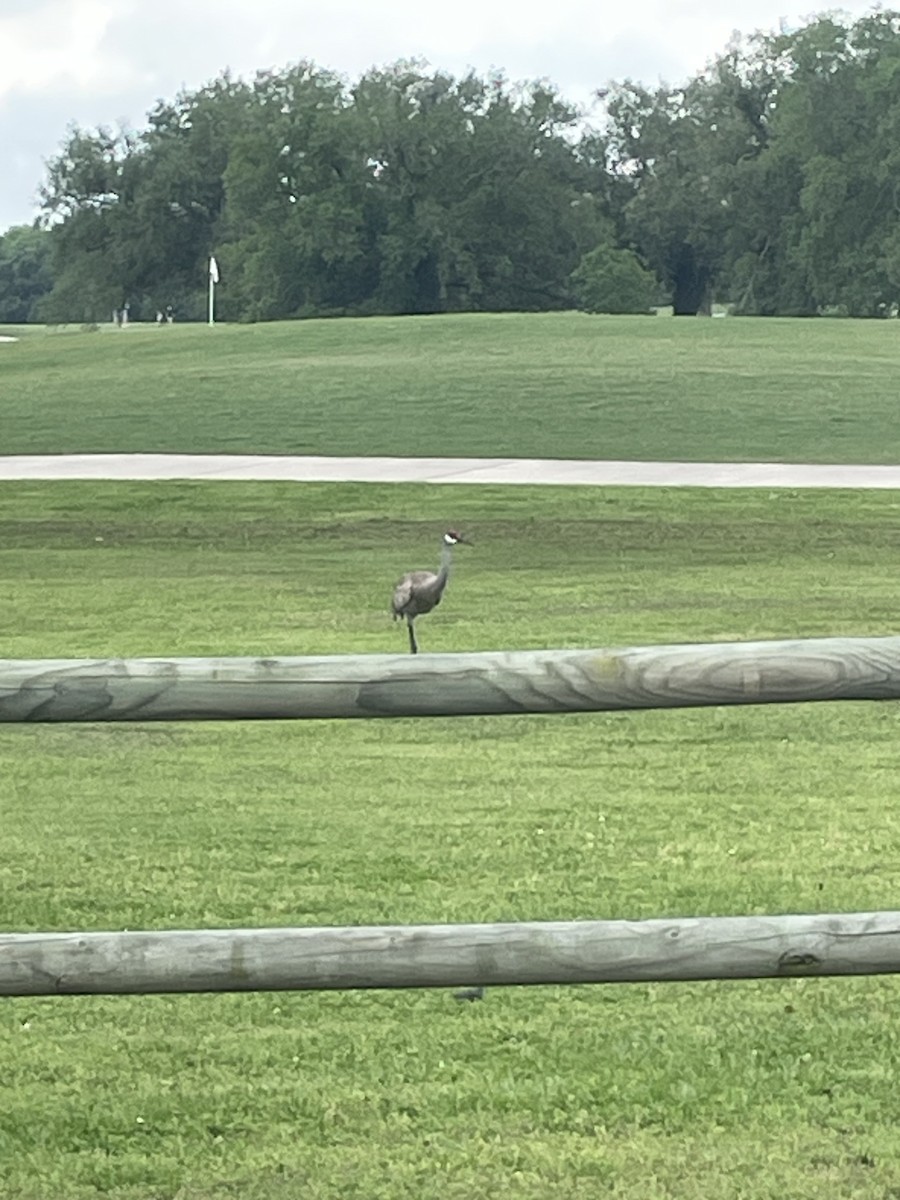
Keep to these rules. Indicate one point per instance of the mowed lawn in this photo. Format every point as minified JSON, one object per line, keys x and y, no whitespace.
{"x":548,"y":386}
{"x":754,"y":1089}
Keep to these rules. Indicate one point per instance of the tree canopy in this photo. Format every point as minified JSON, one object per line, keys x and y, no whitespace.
{"x":769,"y":181}
{"x":25,"y":273}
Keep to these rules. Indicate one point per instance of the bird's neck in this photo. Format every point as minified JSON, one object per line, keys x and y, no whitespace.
{"x":446,"y":558}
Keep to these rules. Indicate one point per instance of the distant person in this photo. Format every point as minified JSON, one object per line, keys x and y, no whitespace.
{"x":170,"y":314}
{"x":159,"y":316}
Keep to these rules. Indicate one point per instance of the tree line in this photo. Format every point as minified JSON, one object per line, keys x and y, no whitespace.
{"x":770,"y":181}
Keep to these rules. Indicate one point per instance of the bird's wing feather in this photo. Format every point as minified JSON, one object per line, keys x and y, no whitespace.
{"x":416,"y":582}
{"x":402,"y":595}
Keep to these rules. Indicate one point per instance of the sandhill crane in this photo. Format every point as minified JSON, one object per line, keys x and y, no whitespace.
{"x":419,"y":592}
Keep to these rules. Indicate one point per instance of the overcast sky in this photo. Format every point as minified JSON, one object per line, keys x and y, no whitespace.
{"x":106,"y":61}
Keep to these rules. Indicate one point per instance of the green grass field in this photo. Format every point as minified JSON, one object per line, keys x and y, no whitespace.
{"x":757,"y":1089}
{"x":547,"y":386}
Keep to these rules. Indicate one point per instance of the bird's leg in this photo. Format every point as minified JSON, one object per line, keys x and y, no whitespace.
{"x":413,"y":648}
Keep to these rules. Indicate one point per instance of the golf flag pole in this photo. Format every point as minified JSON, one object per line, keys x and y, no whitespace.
{"x":213,"y":280}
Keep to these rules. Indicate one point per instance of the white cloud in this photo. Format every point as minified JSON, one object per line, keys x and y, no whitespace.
{"x":58,"y":45}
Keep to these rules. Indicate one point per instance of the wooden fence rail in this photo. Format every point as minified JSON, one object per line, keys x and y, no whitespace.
{"x":542,"y":681}
{"x":238,"y":960}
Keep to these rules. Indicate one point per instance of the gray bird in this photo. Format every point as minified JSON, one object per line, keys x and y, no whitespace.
{"x":419,"y":592}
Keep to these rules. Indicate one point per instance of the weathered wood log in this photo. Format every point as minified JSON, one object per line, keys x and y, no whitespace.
{"x":540,"y":681}
{"x":239,"y":960}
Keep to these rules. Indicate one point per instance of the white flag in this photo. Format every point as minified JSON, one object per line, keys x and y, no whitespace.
{"x":213,"y":270}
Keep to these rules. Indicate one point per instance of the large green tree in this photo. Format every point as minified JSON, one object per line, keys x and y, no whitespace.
{"x":769,"y":180}
{"x":483,"y":201}
{"x":84,"y":197}
{"x":25,"y":273}
{"x":134,"y":217}
{"x":298,"y":223}
{"x":678,"y":155}
{"x":838,"y":114}
{"x":410,"y":191}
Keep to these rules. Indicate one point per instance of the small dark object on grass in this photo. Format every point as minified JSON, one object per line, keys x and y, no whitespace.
{"x":473,"y":993}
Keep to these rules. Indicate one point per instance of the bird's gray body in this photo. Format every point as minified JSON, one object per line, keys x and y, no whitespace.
{"x":419,"y":592}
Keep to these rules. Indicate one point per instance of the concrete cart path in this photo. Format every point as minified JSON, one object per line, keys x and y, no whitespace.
{"x":446,"y":470}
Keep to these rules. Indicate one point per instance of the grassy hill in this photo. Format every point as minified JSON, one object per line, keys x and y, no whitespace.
{"x":551,"y":385}
{"x":632,"y":1092}
{"x":760,"y":1090}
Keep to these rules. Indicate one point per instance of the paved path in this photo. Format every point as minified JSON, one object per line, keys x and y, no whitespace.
{"x":445,"y":470}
